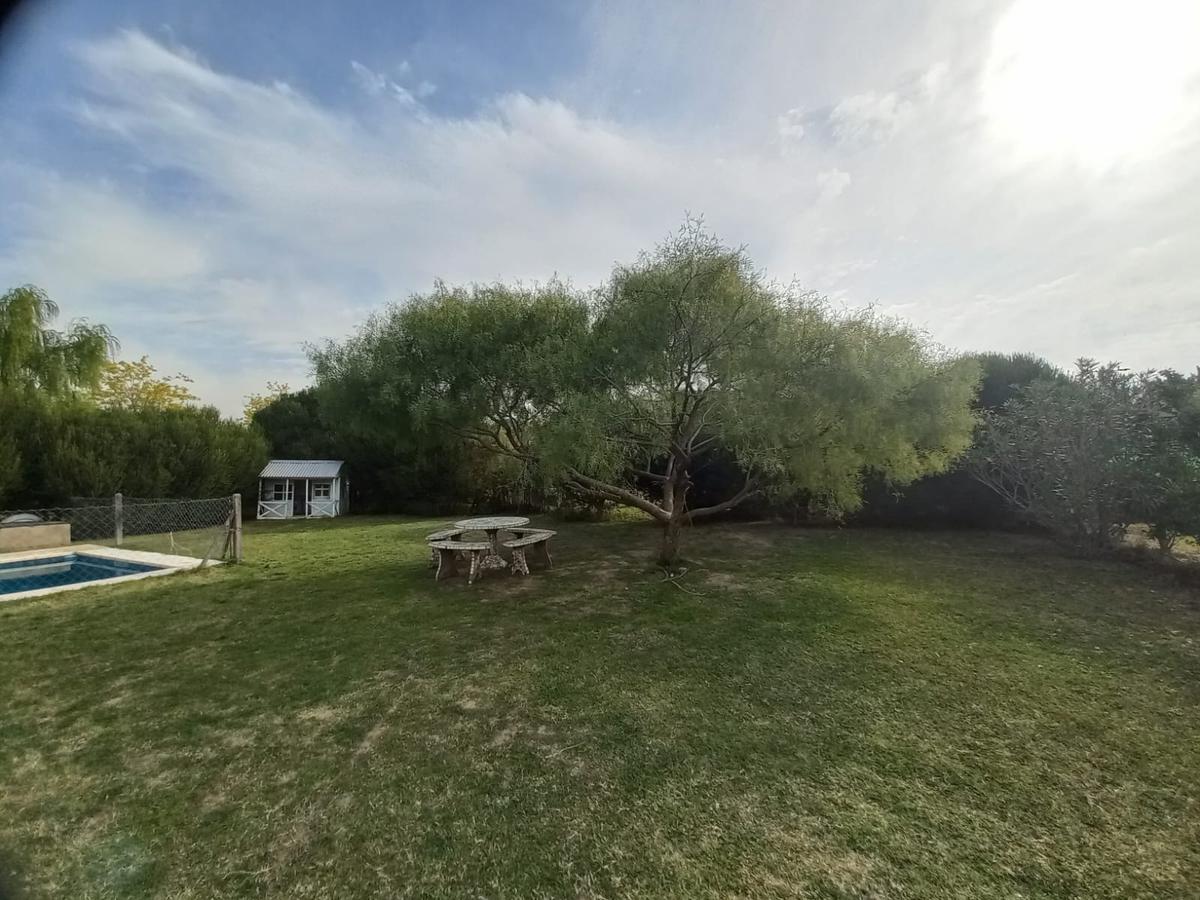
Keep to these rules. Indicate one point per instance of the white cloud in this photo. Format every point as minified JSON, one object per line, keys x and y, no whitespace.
{"x":933,"y":79}
{"x":306,"y":218}
{"x":376,"y":84}
{"x":831,"y":183}
{"x":88,"y":236}
{"x":790,"y":125}
{"x":372,"y":82}
{"x":868,"y":118}
{"x":286,"y":220}
{"x":404,"y":95}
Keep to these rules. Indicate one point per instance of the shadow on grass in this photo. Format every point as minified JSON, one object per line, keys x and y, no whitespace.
{"x":837,"y":711}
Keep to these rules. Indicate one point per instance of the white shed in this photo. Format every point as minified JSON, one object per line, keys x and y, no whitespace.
{"x":303,"y":489}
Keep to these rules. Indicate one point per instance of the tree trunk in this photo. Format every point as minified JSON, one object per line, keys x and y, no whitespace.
{"x":669,"y":551}
{"x":675,"y":502}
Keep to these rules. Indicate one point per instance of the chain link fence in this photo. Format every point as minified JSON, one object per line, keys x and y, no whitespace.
{"x":202,"y":529}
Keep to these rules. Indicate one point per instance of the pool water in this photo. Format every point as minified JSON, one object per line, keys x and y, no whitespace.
{"x":56,"y":571}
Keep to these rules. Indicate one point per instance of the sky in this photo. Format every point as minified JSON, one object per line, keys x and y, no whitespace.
{"x":224,"y":183}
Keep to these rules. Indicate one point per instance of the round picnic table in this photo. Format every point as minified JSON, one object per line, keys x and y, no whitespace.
{"x":492,"y":525}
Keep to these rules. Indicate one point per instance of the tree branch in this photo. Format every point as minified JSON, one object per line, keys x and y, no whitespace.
{"x":617,"y":494}
{"x":646,"y":473}
{"x":747,"y":489}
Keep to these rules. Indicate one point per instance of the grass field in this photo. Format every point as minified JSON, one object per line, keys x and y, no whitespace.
{"x":807,"y":713}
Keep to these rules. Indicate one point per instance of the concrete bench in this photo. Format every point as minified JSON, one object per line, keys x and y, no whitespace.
{"x":448,"y":535}
{"x":446,"y":550}
{"x":530,"y":537}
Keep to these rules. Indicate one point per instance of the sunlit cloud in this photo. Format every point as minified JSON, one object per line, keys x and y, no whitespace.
{"x":239,"y":217}
{"x":1096,"y":83}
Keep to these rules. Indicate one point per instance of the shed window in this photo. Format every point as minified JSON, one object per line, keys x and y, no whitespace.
{"x":279,"y":490}
{"x":320,"y":490}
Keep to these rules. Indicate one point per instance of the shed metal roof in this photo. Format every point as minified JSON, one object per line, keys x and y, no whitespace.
{"x":302,"y":468}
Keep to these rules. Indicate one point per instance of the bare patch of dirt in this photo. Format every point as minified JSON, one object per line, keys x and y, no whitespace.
{"x":322,"y":713}
{"x":149,"y":763}
{"x":213,"y":801}
{"x":724,"y":580}
{"x":748,"y":539}
{"x":514,"y":585}
{"x":370,"y":739}
{"x":239,"y":739}
{"x":293,"y":841}
{"x":505,"y":735}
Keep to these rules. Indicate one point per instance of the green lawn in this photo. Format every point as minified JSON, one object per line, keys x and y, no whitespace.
{"x":808,"y":713}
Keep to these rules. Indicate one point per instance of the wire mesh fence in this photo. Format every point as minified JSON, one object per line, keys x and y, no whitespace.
{"x":203,"y":529}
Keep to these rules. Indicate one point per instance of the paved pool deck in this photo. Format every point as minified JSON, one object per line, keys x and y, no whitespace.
{"x":170,"y":565}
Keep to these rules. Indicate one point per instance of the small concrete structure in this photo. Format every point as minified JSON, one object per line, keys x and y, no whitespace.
{"x":529,"y":537}
{"x":445,"y":546}
{"x":446,"y":551}
{"x":34,"y":536}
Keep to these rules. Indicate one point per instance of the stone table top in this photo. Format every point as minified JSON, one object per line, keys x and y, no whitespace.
{"x":492,"y":523}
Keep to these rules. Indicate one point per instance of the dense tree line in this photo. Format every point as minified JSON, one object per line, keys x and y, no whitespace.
{"x":688,"y":386}
{"x":53,"y":451}
{"x":76,"y":423}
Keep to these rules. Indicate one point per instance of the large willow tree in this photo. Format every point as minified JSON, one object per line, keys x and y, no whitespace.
{"x":686,"y":350}
{"x":36,"y":357}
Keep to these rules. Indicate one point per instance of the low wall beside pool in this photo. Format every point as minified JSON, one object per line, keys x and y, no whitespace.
{"x":34,"y":536}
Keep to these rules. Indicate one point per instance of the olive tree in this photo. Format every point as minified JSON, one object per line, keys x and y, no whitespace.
{"x":687,"y":349}
{"x":1173,"y":471}
{"x":1075,"y":456}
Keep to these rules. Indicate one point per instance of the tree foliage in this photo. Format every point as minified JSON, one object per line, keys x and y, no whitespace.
{"x":73,"y":423}
{"x":687,"y":349}
{"x":1085,"y":457}
{"x":427,"y":398}
{"x":955,"y":498}
{"x":11,"y":463}
{"x":136,"y":384}
{"x":1006,"y":375}
{"x":294,"y":427}
{"x":36,"y":358}
{"x":1174,"y":472}
{"x":256,"y":402}
{"x":68,"y":449}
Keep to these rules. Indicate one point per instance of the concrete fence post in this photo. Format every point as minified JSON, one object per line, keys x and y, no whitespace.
{"x":119,"y":517}
{"x":237,"y":527}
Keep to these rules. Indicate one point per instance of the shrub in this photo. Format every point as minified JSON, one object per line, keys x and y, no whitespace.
{"x":74,"y":449}
{"x":1075,"y":456}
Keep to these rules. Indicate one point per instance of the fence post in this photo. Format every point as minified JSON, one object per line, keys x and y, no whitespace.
{"x":119,"y":516}
{"x":237,"y":527}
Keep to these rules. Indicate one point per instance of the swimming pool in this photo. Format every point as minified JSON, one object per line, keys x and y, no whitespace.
{"x":68,"y":569}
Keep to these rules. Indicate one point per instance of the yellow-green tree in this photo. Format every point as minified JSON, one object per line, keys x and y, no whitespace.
{"x":257,"y":402}
{"x":136,"y":384}
{"x":617,"y":396}
{"x":36,"y":358}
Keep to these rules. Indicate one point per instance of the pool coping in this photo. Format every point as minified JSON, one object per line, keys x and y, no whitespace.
{"x":170,"y":565}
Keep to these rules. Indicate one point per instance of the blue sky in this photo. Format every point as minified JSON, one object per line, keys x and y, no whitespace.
{"x":222,"y":182}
